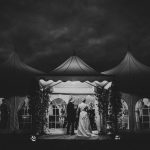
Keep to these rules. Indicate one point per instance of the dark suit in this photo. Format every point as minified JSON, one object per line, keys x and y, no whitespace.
{"x":91,"y":113}
{"x":71,"y":116}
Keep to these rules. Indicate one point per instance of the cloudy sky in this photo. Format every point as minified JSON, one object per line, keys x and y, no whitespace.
{"x":44,"y":33}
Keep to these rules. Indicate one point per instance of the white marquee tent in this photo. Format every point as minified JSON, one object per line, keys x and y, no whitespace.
{"x":131,"y":75}
{"x":133,"y":80}
{"x":16,"y":79}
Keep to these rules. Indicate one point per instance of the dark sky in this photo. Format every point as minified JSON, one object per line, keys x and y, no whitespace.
{"x":44,"y":33}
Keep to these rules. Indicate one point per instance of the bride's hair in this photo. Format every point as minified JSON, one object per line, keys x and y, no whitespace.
{"x":84,"y":100}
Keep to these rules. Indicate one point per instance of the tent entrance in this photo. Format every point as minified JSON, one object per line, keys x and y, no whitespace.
{"x":57,"y":119}
{"x":59,"y":95}
{"x":58,"y":100}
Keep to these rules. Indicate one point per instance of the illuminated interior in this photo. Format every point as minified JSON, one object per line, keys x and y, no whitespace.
{"x":61,"y":93}
{"x":75,"y":87}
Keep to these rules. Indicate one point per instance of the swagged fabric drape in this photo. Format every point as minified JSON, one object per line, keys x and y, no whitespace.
{"x":14,"y":103}
{"x":131,"y":100}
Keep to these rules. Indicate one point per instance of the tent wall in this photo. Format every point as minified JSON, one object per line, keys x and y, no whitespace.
{"x":131,"y":75}
{"x":14,"y":103}
{"x":131,"y":100}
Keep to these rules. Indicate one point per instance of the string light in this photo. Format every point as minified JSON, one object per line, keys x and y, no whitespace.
{"x":33,"y":138}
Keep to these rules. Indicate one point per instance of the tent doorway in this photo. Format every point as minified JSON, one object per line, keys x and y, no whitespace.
{"x":57,"y":119}
{"x":59,"y":95}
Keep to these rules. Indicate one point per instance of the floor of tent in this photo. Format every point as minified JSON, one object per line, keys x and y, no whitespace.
{"x":61,"y":134}
{"x":62,"y":131}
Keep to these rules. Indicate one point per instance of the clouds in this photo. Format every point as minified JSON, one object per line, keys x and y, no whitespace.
{"x":40,"y":30}
{"x":103,"y":40}
{"x":59,"y":32}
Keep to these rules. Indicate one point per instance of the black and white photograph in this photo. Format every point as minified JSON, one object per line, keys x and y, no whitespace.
{"x":74,"y":74}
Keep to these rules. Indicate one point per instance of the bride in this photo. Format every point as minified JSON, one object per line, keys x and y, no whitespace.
{"x":84,"y":127}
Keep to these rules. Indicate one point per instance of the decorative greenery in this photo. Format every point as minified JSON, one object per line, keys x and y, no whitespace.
{"x":109,"y":103}
{"x":109,"y":106}
{"x":103,"y":106}
{"x":115,"y":106}
{"x":39,"y":110}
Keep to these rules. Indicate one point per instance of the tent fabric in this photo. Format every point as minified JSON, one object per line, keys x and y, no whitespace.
{"x":74,"y":66}
{"x":15,"y":104}
{"x":64,"y":78}
{"x":14,"y":65}
{"x":75,"y":69}
{"x":131,"y":100}
{"x":16,"y":77}
{"x":131,"y":75}
{"x":129,"y":65}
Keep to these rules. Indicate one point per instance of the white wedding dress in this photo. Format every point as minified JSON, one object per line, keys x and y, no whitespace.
{"x":84,"y":127}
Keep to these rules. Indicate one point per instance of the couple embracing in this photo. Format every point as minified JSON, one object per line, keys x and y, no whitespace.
{"x":84,"y":127}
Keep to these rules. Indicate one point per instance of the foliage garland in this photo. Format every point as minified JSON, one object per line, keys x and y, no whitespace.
{"x":115,"y":106}
{"x":109,"y":106}
{"x":103,"y":106}
{"x":40,"y":102}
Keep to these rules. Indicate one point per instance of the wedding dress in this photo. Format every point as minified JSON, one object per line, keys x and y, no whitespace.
{"x":84,"y":127}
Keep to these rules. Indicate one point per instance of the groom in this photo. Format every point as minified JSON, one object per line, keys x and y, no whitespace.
{"x":71,"y":116}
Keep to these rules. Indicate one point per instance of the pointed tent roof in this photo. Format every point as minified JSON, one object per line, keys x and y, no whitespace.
{"x":129,"y":66}
{"x":14,"y":65}
{"x":16,"y":77}
{"x":131,"y":74}
{"x":74,"y":68}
